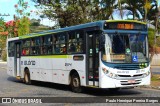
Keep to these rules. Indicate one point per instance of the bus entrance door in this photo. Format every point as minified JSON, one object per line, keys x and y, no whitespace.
{"x":17,"y":59}
{"x":92,"y":59}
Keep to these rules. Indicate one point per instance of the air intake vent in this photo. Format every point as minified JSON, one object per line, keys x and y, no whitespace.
{"x":130,"y":83}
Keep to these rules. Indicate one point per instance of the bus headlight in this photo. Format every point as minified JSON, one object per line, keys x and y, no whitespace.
{"x":146,"y":74}
{"x":105,"y":70}
{"x":109,"y":74}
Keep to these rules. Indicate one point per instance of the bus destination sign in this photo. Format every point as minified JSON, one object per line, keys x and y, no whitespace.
{"x":125,"y":26}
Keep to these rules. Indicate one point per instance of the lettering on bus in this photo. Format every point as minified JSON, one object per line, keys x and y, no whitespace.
{"x":32,"y":62}
{"x":68,"y":64}
{"x":123,"y":72}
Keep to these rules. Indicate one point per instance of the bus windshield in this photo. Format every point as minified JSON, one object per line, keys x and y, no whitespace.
{"x":125,"y":48}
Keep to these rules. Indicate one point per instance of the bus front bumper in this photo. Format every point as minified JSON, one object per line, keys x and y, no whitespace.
{"x":107,"y":82}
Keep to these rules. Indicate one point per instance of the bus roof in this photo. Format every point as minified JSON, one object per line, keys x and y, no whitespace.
{"x":12,"y":39}
{"x":76,"y":27}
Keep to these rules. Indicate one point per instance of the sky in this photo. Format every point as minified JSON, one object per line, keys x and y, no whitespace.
{"x":7,"y":7}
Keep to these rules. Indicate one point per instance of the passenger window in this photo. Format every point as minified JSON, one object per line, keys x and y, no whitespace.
{"x":46,"y":47}
{"x":11,"y":49}
{"x":75,"y":42}
{"x":59,"y":43}
{"x":35,"y":46}
{"x":26,"y":47}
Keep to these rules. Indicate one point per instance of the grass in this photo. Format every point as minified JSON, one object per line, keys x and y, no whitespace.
{"x":155,"y":80}
{"x":155,"y":77}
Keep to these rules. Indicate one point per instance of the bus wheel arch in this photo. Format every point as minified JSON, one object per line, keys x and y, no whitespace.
{"x":75,"y":82}
{"x":27,"y":78}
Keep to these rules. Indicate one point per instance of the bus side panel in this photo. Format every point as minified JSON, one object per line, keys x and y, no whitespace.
{"x":10,"y":66}
{"x":46,"y":68}
{"x":54,"y":70}
{"x":35,"y":69}
{"x":32,"y":65}
{"x":79,"y":66}
{"x":59,"y":70}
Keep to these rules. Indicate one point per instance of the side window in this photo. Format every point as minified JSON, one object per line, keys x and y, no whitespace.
{"x":46,"y":47}
{"x":59,"y":43}
{"x":26,"y":47}
{"x":75,"y":41}
{"x":35,"y":46}
{"x":11,"y":49}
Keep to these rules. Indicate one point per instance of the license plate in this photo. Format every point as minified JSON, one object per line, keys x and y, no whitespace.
{"x":131,"y":81}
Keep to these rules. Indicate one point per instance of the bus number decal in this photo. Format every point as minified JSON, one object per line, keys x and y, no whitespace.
{"x":32,"y":62}
{"x":68,"y":64}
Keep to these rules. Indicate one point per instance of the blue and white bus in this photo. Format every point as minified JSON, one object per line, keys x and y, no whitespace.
{"x":103,"y":54}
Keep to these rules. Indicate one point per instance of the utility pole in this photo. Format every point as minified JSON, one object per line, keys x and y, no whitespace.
{"x":156,"y":28}
{"x":156,"y":24}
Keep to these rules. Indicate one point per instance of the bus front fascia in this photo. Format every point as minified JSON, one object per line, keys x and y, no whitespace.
{"x":109,"y":72}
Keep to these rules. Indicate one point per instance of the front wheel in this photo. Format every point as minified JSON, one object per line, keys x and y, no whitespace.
{"x":75,"y":83}
{"x":27,"y":79}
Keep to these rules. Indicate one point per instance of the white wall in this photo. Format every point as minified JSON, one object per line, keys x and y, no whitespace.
{"x":156,"y":60}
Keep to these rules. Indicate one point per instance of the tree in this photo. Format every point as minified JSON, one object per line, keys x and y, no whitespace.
{"x":17,"y":27}
{"x":134,"y":6}
{"x":22,"y":22}
{"x":35,"y":26}
{"x":35,"y":22}
{"x":3,"y":38}
{"x":73,"y":12}
{"x":3,"y":34}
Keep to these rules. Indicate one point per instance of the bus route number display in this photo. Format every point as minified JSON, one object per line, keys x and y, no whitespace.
{"x":125,"y":26}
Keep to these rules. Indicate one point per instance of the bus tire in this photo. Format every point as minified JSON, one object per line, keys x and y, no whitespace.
{"x":75,"y":83}
{"x":27,"y":79}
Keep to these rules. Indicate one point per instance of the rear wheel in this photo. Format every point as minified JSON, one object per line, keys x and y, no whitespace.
{"x":27,"y":79}
{"x":75,"y":83}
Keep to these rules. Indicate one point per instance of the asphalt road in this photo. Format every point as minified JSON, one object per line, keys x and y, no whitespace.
{"x":11,"y":87}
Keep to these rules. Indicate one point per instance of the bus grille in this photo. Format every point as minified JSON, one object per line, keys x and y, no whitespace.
{"x":138,"y":75}
{"x":126,"y":82}
{"x":129,"y":77}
